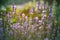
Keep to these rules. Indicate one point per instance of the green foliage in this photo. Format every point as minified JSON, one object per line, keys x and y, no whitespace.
{"x":8,"y":9}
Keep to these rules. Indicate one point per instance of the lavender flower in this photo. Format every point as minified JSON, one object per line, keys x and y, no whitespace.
{"x":11,"y":33}
{"x":15,"y":26}
{"x":44,"y":7}
{"x":32,"y":28}
{"x":1,"y":29}
{"x":31,"y":10}
{"x":41,"y":22}
{"x":35,"y":19}
{"x":38,"y":5}
{"x":25,"y":24}
{"x":43,"y":16}
{"x":50,"y":10}
{"x":14,"y":7}
{"x":48,"y":26}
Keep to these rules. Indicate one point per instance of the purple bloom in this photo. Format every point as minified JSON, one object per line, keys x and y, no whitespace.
{"x":38,"y":5}
{"x":48,"y":26}
{"x":15,"y":26}
{"x":14,"y":7}
{"x":50,"y":10}
{"x":11,"y":33}
{"x":25,"y":24}
{"x":41,"y":22}
{"x":36,"y":19}
{"x":50,"y":15}
{"x":31,"y":10}
{"x":44,"y":7}
{"x":1,"y":29}
{"x":43,"y":17}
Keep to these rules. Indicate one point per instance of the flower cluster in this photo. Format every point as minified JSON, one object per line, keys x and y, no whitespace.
{"x":34,"y":20}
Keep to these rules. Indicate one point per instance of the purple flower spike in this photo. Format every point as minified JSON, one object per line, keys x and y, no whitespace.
{"x":43,"y":17}
{"x":50,"y":10}
{"x":38,"y":5}
{"x":14,"y":7}
{"x":35,"y":19}
{"x":15,"y":26}
{"x":44,"y":7}
{"x":25,"y":24}
{"x":31,"y":10}
{"x":48,"y":26}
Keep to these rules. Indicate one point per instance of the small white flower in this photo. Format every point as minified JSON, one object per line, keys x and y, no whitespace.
{"x":40,"y":21}
{"x":26,"y":17}
{"x":23,"y":15}
{"x":36,"y":18}
{"x":40,"y":27}
{"x":13,"y":12}
{"x":43,"y":16}
{"x":44,"y":11}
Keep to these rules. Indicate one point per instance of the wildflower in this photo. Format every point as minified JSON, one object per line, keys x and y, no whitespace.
{"x":0,"y":21}
{"x":38,"y":5}
{"x":50,"y":14}
{"x":35,"y":19}
{"x":50,"y":10}
{"x":1,"y":29}
{"x":43,"y":16}
{"x":14,"y":7}
{"x":41,"y":22}
{"x":15,"y":26}
{"x":58,"y":27}
{"x":10,"y":33}
{"x":31,"y":10}
{"x":26,"y":18}
{"x":25,"y":24}
{"x":44,"y":11}
{"x":48,"y":26}
{"x":44,"y":7}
